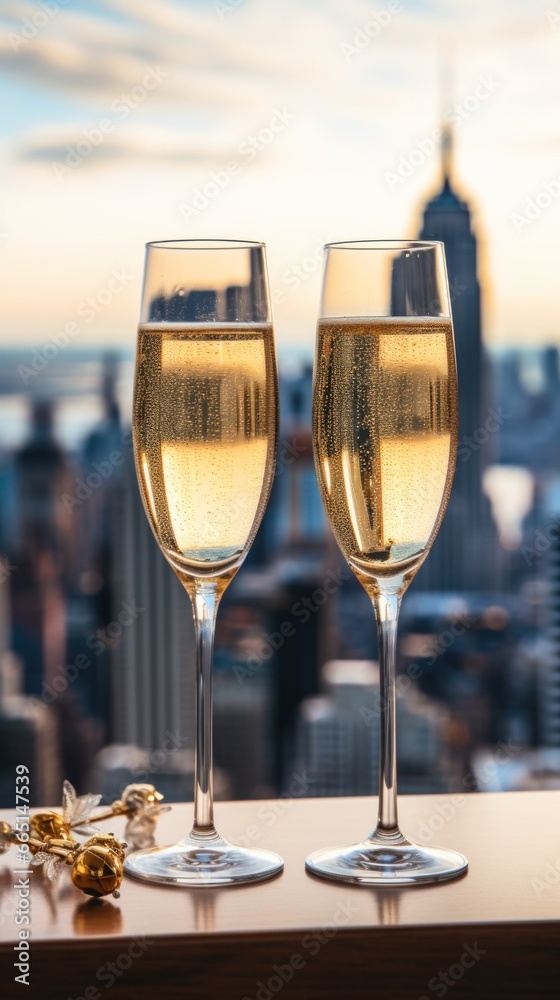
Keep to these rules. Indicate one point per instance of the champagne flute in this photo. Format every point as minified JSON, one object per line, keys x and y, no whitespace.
{"x":205,"y":436}
{"x":385,"y":418}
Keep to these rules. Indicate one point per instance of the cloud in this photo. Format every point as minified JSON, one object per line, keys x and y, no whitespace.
{"x":98,"y":57}
{"x":153,"y":146}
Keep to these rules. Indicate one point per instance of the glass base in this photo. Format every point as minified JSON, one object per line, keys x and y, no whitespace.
{"x":387,"y":860}
{"x":202,"y":861}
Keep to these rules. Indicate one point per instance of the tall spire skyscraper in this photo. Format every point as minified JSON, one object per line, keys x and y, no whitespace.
{"x":465,"y":553}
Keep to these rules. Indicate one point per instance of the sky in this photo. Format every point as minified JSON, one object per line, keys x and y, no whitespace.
{"x":295,"y":122}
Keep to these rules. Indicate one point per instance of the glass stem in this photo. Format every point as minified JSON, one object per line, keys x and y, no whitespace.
{"x":205,"y":606}
{"x":387,"y":613}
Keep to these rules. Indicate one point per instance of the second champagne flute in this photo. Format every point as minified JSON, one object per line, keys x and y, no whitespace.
{"x":205,"y":436}
{"x":385,"y":438}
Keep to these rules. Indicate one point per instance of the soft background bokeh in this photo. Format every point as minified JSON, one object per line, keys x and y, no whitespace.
{"x":294,"y":122}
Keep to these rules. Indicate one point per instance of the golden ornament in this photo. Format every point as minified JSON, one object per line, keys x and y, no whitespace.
{"x":136,"y":798}
{"x":139,"y":796}
{"x":47,"y":826}
{"x":7,"y":836}
{"x":97,"y":865}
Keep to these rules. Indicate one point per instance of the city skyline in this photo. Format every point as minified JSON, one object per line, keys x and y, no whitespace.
{"x":296,"y":138}
{"x":85,"y":579}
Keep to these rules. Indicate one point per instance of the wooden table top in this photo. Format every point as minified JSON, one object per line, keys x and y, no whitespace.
{"x":508,"y":901}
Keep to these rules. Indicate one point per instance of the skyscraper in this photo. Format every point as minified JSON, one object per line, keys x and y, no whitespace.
{"x":43,"y":548}
{"x":465,"y":555}
{"x":549,"y":675}
{"x":152,"y":676}
{"x":29,"y":729}
{"x":337,"y":735}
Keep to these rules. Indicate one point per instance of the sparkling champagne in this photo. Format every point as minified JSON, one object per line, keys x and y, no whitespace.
{"x":385,"y":433}
{"x":205,"y":434}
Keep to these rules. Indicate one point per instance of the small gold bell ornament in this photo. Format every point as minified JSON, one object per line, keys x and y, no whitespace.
{"x":138,"y":797}
{"x":97,"y":865}
{"x":48,"y":826}
{"x":7,"y":836}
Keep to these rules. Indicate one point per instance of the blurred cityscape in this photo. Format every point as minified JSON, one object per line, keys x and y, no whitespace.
{"x":96,"y":638}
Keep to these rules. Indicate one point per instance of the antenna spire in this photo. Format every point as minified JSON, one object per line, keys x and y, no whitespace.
{"x":446,"y":155}
{"x":446,"y":92}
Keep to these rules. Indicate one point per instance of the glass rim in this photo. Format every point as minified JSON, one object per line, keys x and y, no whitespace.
{"x":179,"y":244}
{"x":384,"y":245}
